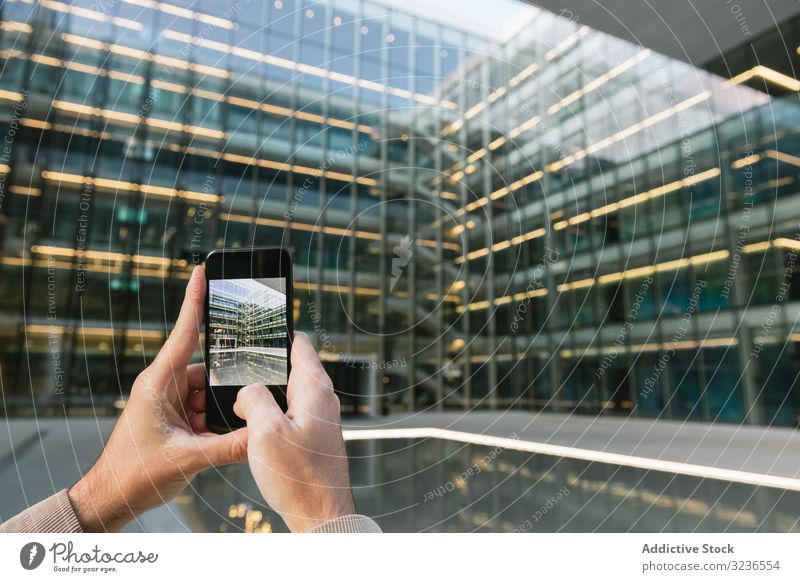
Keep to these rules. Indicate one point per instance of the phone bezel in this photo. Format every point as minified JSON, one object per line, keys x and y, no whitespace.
{"x":248,"y":263}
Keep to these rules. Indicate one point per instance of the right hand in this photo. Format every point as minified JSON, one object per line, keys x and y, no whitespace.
{"x":298,"y":459}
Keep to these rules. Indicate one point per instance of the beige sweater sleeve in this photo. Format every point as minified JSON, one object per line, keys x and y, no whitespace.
{"x":348,"y":524}
{"x":55,"y":515}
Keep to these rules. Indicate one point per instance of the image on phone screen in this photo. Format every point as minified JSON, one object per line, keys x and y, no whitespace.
{"x":249,"y":337}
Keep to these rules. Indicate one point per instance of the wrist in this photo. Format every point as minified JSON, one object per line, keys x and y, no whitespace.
{"x":96,"y":508}
{"x":329,"y":510}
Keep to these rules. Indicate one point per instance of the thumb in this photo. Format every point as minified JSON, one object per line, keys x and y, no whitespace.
{"x":256,"y":404}
{"x":180,"y":345}
{"x":216,"y":450}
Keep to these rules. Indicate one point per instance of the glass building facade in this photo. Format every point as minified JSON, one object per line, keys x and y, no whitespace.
{"x":559,"y":221}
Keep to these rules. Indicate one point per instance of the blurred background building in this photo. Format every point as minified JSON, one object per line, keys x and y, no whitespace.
{"x":505,"y":210}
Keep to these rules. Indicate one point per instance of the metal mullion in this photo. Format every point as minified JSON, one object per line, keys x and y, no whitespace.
{"x":630,"y":376}
{"x":412,"y":266}
{"x":463,"y":138}
{"x":100,"y":95}
{"x":658,"y":300}
{"x":549,"y":326}
{"x":383,"y":352}
{"x":295,"y":106}
{"x":517,"y":362}
{"x":260,"y":114}
{"x":353,"y":189}
{"x":441,"y":345}
{"x":593,"y":299}
{"x":699,"y":359}
{"x":488,"y":233}
{"x":323,"y":184}
{"x":752,"y":403}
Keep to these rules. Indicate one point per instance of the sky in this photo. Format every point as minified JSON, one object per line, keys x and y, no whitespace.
{"x":498,"y":23}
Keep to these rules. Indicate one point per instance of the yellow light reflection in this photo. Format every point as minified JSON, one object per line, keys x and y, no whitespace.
{"x":767,"y":74}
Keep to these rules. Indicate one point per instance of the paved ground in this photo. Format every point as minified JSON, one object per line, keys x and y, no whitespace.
{"x":38,"y":458}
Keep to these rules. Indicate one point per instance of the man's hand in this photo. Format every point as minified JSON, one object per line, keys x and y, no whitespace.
{"x":298,"y":458}
{"x":161,"y":440}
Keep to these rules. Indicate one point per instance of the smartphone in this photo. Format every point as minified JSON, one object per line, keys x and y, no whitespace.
{"x":249,"y":328}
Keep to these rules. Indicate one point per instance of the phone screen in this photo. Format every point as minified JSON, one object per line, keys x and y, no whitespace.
{"x":249,"y":336}
{"x":248,"y":328}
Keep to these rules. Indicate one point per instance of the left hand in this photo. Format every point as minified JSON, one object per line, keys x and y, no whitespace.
{"x":161,"y":440}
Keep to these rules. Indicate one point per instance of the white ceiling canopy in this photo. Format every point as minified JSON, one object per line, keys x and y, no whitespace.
{"x":696,"y":31}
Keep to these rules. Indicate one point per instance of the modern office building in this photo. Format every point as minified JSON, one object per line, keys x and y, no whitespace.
{"x":555,"y":219}
{"x":248,"y":333}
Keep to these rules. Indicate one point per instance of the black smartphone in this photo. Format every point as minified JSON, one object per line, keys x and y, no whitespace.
{"x":249,"y":328}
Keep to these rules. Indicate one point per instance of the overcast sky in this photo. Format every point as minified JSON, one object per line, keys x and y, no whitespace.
{"x":497,"y":19}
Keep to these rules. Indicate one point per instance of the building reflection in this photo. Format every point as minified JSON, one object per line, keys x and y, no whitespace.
{"x":442,"y":486}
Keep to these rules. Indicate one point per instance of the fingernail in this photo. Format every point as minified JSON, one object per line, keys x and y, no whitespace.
{"x":195,"y":282}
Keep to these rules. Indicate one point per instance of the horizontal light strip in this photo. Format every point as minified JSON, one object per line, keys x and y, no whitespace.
{"x":332,"y":230}
{"x":639,"y":198}
{"x":163,"y":191}
{"x":521,"y":296}
{"x":719,"y":342}
{"x":504,"y":191}
{"x":340,"y":289}
{"x":599,"y":81}
{"x":580,"y":284}
{"x":624,"y":203}
{"x":11,"y":26}
{"x":524,"y":126}
{"x":129,"y":118}
{"x":110,"y":257}
{"x":182,"y":89}
{"x":633,"y":129}
{"x":185,"y":13}
{"x":523,"y":74}
{"x":592,"y":456}
{"x":148,"y":189}
{"x":107,"y":256}
{"x":781,"y":242}
{"x":282,"y":167}
{"x":566,"y":43}
{"x":648,"y":270}
{"x":513,"y":134}
{"x":532,"y":122}
{"x":91,"y":14}
{"x":499,"y":92}
{"x":25,"y":191}
{"x":277,"y":223}
{"x":40,"y":329}
{"x":287,"y":112}
{"x":774,"y":154}
{"x":117,"y":259}
{"x":140,"y":55}
{"x":786,"y":243}
{"x":303,"y":68}
{"x":614,"y":277}
{"x":10,"y":95}
{"x":133,"y":119}
{"x":502,"y":245}
{"x":767,"y":74}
